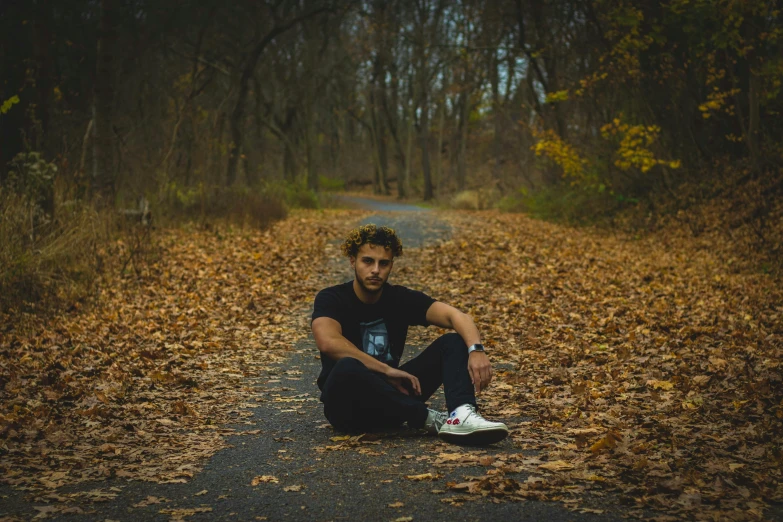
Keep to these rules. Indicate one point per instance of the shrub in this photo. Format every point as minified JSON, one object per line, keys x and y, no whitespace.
{"x":238,"y":205}
{"x":52,"y":261}
{"x":465,"y":200}
{"x":571,"y":204}
{"x":299,"y":196}
{"x":478,"y":199}
{"x":295,"y":195}
{"x":331,"y":184}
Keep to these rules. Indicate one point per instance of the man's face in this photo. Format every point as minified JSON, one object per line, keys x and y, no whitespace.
{"x":372,"y":265}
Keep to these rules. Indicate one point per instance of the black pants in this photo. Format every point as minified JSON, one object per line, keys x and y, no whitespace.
{"x":357,"y":399}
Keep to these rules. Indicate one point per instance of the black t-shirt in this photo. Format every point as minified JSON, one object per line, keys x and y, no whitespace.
{"x":378,"y":329}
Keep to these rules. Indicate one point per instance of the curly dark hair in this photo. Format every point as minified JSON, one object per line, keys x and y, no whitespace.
{"x":374,"y":235}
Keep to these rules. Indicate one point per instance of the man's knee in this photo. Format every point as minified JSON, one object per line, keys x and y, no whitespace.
{"x":452,"y":346}
{"x":453,"y":341}
{"x":345,"y":376}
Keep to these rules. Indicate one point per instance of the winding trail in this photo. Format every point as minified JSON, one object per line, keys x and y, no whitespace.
{"x":418,"y":226}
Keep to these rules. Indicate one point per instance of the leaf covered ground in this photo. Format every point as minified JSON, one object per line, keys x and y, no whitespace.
{"x":649,"y":370}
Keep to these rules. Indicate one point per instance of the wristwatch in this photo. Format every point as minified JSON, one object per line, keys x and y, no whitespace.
{"x":478,"y":347}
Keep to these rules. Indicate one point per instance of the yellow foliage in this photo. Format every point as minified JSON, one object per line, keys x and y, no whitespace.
{"x":716,"y":101}
{"x":7,"y":104}
{"x":635,"y":142}
{"x":564,"y":155}
{"x":557,"y":96}
{"x":630,"y":42}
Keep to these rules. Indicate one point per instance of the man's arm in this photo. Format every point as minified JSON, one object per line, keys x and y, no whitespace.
{"x":331,"y":343}
{"x":445,"y":316}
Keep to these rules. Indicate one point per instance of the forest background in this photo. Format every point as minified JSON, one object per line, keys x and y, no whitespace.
{"x":637,"y":115}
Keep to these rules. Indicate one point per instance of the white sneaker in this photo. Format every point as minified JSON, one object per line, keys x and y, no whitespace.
{"x":435,"y":420}
{"x":466,"y":426}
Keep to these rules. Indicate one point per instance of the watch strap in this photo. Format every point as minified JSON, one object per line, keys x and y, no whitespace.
{"x":478,"y":347}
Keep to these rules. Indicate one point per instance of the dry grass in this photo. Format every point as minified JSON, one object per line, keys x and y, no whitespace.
{"x":479,"y":199}
{"x":51,"y":264}
{"x":237,"y":205}
{"x":45,"y":261}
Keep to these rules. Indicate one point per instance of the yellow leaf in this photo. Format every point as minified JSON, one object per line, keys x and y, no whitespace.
{"x":423,"y":476}
{"x":451,"y":456}
{"x":264,"y":479}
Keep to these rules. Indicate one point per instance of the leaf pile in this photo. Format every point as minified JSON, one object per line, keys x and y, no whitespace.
{"x":649,"y":370}
{"x":139,"y":386}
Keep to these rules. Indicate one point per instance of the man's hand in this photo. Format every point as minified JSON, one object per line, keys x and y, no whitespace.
{"x":403,"y":381}
{"x":480,"y":370}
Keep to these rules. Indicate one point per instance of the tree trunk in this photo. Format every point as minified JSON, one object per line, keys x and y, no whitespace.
{"x":214,"y":172}
{"x":311,"y":142}
{"x":753,"y":118}
{"x":377,"y":144}
{"x":236,"y":124}
{"x":104,"y":169}
{"x":497,"y":146}
{"x":383,"y":158}
{"x":424,"y":142}
{"x":463,"y":141}
{"x":289,"y":163}
{"x":44,"y":80}
{"x":404,"y":182}
{"x":439,"y":181}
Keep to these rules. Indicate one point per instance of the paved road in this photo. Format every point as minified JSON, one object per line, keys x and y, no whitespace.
{"x":358,"y":483}
{"x":379,"y":205}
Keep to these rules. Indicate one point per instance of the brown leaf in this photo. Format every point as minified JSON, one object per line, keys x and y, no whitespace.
{"x":556,"y":465}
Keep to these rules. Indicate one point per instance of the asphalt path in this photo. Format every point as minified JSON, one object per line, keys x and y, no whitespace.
{"x":316,"y":477}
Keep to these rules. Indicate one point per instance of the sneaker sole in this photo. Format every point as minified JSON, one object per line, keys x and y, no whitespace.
{"x":475,"y":438}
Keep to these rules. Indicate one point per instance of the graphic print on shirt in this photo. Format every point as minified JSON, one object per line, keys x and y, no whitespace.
{"x":375,"y":340}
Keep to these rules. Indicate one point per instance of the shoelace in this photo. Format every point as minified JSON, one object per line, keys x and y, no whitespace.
{"x":474,"y":413}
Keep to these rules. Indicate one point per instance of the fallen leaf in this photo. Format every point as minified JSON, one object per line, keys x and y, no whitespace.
{"x":660,"y":385}
{"x":264,"y":479}
{"x":423,"y":476}
{"x":150,"y":500}
{"x":185,"y":512}
{"x":556,"y":465}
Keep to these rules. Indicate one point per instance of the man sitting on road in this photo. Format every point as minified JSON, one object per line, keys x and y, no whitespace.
{"x":360,"y":329}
